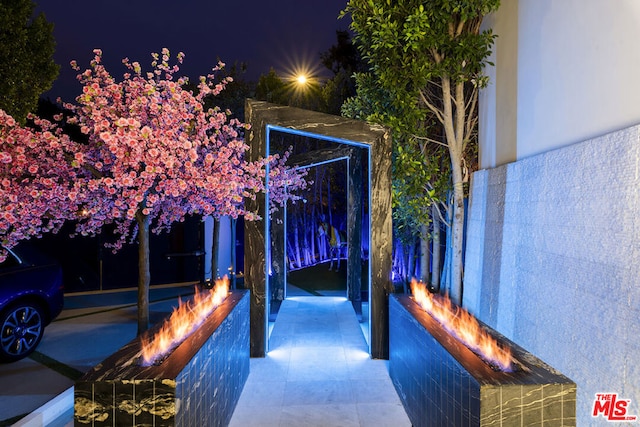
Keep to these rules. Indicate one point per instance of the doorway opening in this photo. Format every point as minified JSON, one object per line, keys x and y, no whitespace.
{"x":321,"y":246}
{"x":366,"y":150}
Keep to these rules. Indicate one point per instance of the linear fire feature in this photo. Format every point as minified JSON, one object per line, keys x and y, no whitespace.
{"x":198,"y":383}
{"x":443,"y":383}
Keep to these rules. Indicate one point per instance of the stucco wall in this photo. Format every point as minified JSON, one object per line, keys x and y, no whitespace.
{"x":498,"y":121}
{"x":565,"y":71}
{"x":553,"y":261}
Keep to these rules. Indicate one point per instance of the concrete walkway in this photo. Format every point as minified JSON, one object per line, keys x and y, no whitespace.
{"x":318,"y":372}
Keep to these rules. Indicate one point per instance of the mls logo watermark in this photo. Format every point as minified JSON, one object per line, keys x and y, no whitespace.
{"x":612,"y":408}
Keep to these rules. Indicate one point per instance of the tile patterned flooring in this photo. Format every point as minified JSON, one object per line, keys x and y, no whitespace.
{"x":318,"y":373}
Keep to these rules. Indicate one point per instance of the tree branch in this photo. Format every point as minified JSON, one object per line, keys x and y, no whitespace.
{"x":439,"y":207}
{"x":448,"y":118}
{"x":431,"y":107}
{"x":472,"y":117}
{"x":461,"y":115}
{"x":437,"y":56}
{"x":425,"y":138}
{"x":460,"y":27}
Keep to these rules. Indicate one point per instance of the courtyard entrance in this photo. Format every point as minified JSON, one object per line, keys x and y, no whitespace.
{"x":367,"y":152}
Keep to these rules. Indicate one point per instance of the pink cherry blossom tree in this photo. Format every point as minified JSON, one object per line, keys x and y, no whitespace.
{"x":37,"y":176}
{"x":154,"y":156}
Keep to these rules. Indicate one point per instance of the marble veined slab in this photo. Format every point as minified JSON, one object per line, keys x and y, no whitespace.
{"x":199,"y":383}
{"x":442,"y":383}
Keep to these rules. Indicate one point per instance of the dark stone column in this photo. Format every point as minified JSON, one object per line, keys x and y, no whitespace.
{"x":354,"y":230}
{"x":254,"y":246}
{"x":380,"y":245}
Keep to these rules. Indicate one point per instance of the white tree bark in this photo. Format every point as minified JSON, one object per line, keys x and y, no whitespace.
{"x":425,"y":254}
{"x":454,"y":120}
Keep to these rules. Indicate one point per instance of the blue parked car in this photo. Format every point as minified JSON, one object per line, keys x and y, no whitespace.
{"x":31,"y":296}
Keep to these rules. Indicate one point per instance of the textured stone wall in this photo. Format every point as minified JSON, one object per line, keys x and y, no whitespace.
{"x":552,"y":261}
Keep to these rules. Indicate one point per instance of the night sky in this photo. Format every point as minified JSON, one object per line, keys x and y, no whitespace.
{"x":283,"y":34}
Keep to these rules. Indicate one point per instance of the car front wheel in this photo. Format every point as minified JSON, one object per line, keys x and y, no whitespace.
{"x":22,"y":328}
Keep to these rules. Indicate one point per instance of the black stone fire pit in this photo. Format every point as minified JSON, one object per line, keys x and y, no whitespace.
{"x":442,"y":383}
{"x":198,"y":383}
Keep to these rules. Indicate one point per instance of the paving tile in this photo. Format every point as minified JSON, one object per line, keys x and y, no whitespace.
{"x":320,"y":416}
{"x":318,"y":392}
{"x":374,"y":391}
{"x":262,"y":393}
{"x":250,"y":416}
{"x":382,"y":415}
{"x":318,"y":372}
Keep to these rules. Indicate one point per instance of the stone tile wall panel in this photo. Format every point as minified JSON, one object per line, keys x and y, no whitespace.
{"x":567,"y":285}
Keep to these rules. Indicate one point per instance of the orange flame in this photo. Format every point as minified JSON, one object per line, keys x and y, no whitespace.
{"x":463,"y":326}
{"x":183,"y":321}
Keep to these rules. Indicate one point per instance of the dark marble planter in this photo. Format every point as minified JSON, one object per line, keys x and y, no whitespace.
{"x":199,"y":383}
{"x":443,"y":383}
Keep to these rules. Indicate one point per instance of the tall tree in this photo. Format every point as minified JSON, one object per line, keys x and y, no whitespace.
{"x":272,"y":88}
{"x":343,"y":59}
{"x":154,"y":156}
{"x":419,"y":177}
{"x":430,"y":56}
{"x":26,"y":57}
{"x":36,"y":178}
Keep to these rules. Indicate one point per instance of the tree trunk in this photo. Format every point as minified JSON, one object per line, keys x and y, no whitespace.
{"x":329,"y":201}
{"x":144,"y":277}
{"x":305,"y":240}
{"x":457,"y":229}
{"x":215,"y":250}
{"x":296,"y":242}
{"x":234,"y":267}
{"x":437,"y":253}
{"x":411,"y":263}
{"x":454,"y":116}
{"x":447,"y":265}
{"x":291,"y":256}
{"x":424,"y":253}
{"x":312,"y":236}
{"x":396,"y":256}
{"x":277,"y":266}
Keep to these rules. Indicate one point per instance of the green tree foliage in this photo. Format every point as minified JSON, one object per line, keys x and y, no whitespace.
{"x":272,"y":88}
{"x":412,"y":171}
{"x":419,"y":172}
{"x":335,"y":91}
{"x":429,"y":56}
{"x":342,"y":56}
{"x":343,"y":59}
{"x":238,"y":89}
{"x":26,"y":57}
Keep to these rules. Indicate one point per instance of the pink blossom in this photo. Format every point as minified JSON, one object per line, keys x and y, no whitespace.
{"x":155,"y":151}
